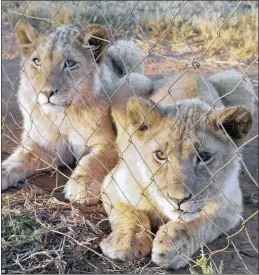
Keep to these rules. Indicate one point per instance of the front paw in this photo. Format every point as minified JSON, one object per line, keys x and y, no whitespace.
{"x":82,"y":192}
{"x":126,"y":246}
{"x":8,"y":177}
{"x":172,"y":247}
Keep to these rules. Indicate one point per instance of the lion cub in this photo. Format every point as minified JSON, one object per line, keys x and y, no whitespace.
{"x":178,"y":173}
{"x":64,"y":96}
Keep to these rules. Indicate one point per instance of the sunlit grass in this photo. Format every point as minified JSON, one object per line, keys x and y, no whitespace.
{"x":239,"y":34}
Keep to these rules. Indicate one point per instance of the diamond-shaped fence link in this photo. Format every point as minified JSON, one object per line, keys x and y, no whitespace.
{"x":126,"y":137}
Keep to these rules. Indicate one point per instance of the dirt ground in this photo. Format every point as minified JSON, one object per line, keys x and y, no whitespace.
{"x":65,"y":238}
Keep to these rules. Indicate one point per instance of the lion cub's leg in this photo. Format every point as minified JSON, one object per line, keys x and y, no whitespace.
{"x":23,"y":163}
{"x":130,"y":238}
{"x":84,"y":186}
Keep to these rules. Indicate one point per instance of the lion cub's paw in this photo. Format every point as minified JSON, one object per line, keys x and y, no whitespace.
{"x":126,"y":246}
{"x":82,"y":192}
{"x":7,"y":177}
{"x":171,"y":248}
{"x":5,"y":183}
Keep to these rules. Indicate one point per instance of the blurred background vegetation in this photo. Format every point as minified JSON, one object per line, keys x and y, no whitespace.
{"x":170,"y":21}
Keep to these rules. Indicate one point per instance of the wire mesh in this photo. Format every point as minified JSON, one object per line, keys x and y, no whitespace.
{"x":89,"y":142}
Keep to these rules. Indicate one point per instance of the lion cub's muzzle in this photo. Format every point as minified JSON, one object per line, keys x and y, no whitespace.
{"x":181,"y":204}
{"x":50,"y":101}
{"x":178,"y":202}
{"x":187,"y":204}
{"x":48,"y":96}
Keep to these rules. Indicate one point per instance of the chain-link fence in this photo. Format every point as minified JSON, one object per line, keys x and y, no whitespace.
{"x":130,"y":112}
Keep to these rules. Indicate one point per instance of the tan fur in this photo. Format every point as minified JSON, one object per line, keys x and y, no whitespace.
{"x":186,"y":87}
{"x":151,"y":190}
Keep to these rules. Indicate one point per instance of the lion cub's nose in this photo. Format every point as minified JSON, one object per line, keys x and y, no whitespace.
{"x":180,"y":201}
{"x":49,"y":94}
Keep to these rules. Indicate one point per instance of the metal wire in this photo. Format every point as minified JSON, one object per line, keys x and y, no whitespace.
{"x":196,"y":62}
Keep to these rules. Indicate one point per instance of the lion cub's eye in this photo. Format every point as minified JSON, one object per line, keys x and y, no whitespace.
{"x":36,"y":61}
{"x":70,"y":64}
{"x":160,"y":156}
{"x":206,"y":157}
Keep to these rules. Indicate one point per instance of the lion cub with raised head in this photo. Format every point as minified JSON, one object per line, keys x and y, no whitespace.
{"x":66,"y":82}
{"x":178,"y":173}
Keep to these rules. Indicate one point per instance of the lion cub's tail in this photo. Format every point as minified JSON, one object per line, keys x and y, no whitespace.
{"x":240,"y":90}
{"x":126,"y":56}
{"x":126,"y":60}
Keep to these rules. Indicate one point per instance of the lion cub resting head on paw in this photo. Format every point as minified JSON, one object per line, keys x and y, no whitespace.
{"x":178,"y":177}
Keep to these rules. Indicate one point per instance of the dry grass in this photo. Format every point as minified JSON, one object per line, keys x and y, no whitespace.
{"x":43,"y":235}
{"x":239,"y":34}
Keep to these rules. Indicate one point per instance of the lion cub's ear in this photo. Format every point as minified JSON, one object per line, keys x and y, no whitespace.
{"x":142,"y":113}
{"x":97,"y":38}
{"x":237,"y":122}
{"x":26,"y":36}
